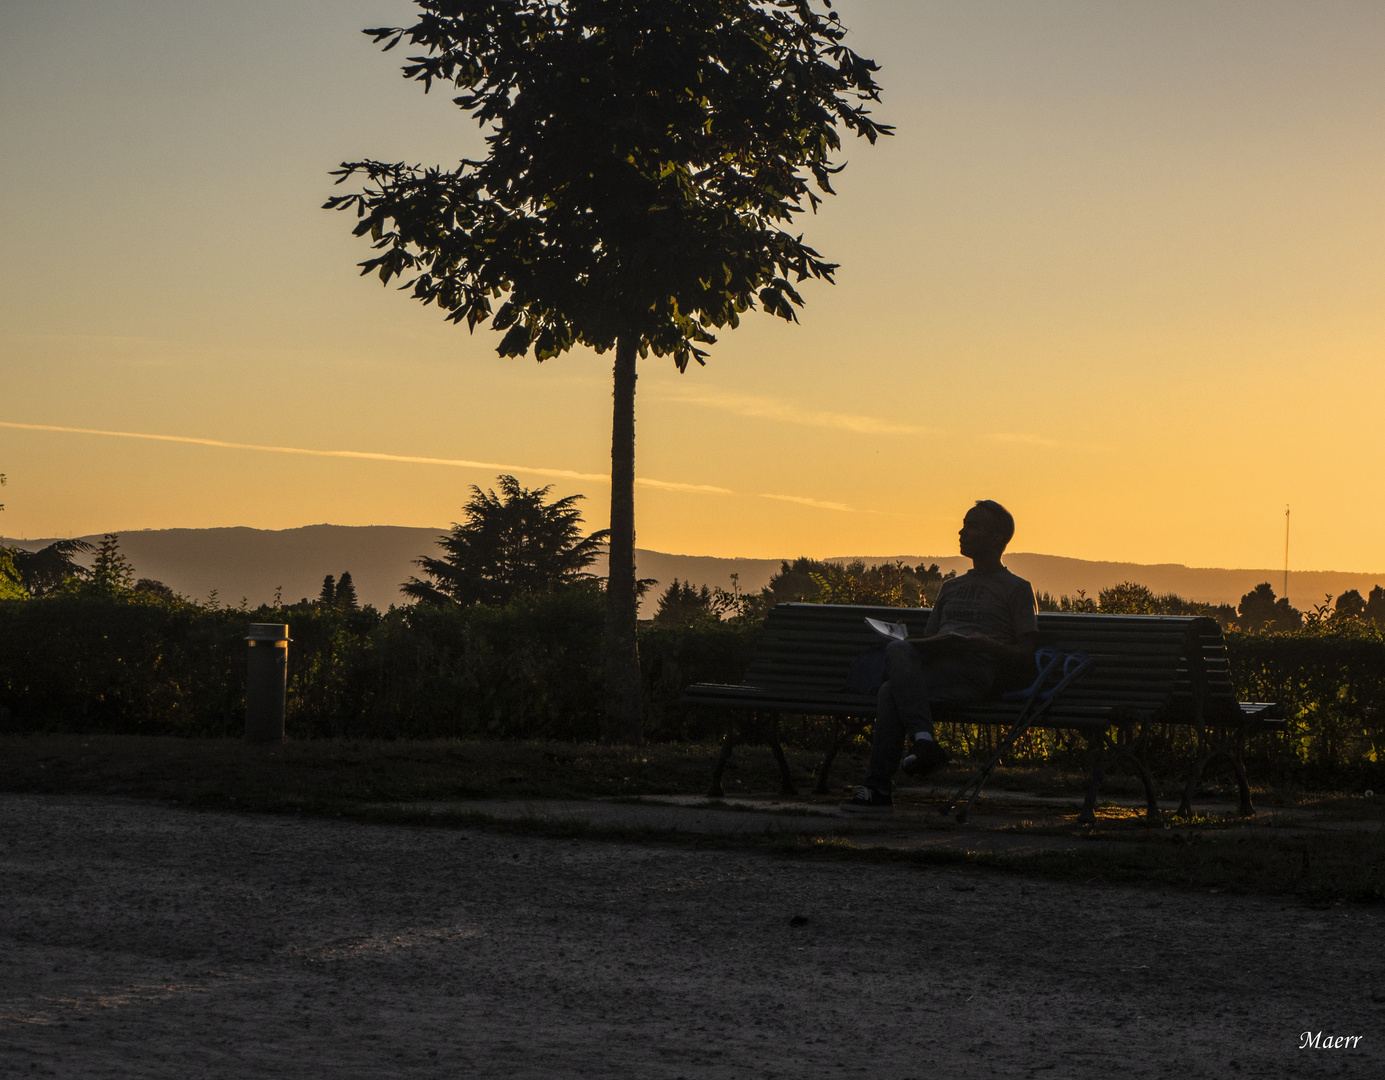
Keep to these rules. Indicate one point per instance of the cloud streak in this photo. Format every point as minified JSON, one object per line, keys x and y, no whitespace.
{"x":1019,"y":439}
{"x":416,"y":459}
{"x":804,"y":501}
{"x":769,"y":409}
{"x":366,"y":455}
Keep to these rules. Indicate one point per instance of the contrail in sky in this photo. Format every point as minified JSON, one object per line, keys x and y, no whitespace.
{"x":772,"y":409}
{"x":818,"y":503}
{"x":409,"y":459}
{"x":413,"y":459}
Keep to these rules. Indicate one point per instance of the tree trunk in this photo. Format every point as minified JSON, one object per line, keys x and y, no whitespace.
{"x":624,"y":695}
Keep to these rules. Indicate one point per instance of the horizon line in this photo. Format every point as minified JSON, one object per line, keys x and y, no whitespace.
{"x":868,"y":559}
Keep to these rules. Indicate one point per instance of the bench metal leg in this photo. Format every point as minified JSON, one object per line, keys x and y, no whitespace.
{"x":1100,"y":763}
{"x":1246,"y":807}
{"x":728,"y":743}
{"x":1230,"y":749}
{"x":735,"y":733}
{"x":839,"y":739}
{"x":1106,"y":754}
{"x":786,"y":785}
{"x":1185,"y":807}
{"x":1151,"y":795}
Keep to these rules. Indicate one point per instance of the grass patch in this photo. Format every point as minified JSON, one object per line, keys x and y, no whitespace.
{"x":307,"y":774}
{"x":1317,"y":868}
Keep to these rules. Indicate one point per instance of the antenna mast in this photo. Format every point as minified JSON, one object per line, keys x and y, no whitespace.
{"x":1286,"y":551}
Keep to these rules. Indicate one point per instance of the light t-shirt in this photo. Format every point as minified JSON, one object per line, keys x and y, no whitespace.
{"x":998,"y":604}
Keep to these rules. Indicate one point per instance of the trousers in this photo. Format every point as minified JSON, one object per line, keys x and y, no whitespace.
{"x":902,"y":707}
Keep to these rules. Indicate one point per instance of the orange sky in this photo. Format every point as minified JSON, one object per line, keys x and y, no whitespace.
{"x":1121,"y":268}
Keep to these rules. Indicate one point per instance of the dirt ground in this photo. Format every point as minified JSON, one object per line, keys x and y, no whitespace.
{"x":141,"y":940}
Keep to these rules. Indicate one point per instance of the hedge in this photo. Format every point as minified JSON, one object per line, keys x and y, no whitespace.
{"x":532,"y":669}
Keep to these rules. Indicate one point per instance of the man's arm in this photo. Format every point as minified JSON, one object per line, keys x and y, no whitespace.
{"x":1021,"y":652}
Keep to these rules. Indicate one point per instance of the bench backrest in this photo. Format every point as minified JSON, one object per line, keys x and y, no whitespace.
{"x":1173,"y":666}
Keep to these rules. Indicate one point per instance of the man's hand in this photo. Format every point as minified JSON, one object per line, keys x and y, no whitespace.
{"x":1021,"y":652}
{"x":943,"y":644}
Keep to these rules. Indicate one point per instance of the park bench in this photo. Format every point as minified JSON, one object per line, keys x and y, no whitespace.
{"x":1149,"y":670}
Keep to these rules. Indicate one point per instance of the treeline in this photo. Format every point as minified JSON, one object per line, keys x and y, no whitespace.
{"x":899,"y":585}
{"x":1259,"y":610}
{"x":803,"y":580}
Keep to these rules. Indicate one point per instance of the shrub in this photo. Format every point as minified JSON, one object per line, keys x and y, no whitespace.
{"x":138,"y":662}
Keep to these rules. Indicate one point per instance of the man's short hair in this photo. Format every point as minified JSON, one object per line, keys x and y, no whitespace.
{"x":1004,"y":520}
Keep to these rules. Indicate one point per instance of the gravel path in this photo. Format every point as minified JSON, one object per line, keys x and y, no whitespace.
{"x":146,"y":941}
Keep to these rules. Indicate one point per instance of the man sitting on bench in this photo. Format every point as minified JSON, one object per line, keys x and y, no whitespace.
{"x":984,"y":622}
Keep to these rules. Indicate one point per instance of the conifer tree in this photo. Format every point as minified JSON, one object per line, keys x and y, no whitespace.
{"x":683,"y":604}
{"x":328,"y":596}
{"x":53,"y":567}
{"x":346,"y":592}
{"x":509,"y":545}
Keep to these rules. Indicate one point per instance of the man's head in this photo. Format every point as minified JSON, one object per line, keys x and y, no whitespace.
{"x":986,"y":529}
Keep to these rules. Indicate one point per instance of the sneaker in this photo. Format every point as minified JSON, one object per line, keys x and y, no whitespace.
{"x":869,"y":801}
{"x":928,"y":757}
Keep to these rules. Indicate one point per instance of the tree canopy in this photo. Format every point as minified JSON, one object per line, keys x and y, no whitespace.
{"x":509,"y":544}
{"x":1259,"y":610}
{"x":51,"y":568}
{"x":645,"y":161}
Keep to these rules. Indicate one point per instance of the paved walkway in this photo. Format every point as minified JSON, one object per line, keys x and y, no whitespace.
{"x":139,"y":940}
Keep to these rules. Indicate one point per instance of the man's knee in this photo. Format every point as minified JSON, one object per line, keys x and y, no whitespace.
{"x":902,"y":662}
{"x":901,"y":652}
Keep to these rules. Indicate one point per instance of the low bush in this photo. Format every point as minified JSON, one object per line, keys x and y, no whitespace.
{"x":1330,"y":679}
{"x":529,"y":669}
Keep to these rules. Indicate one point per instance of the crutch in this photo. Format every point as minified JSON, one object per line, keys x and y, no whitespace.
{"x":1065,"y":667}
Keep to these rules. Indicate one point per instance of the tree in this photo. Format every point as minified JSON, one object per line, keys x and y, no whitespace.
{"x":112,"y":572}
{"x":155,"y":588}
{"x":1259,"y":610}
{"x":1350,"y":605}
{"x":50,"y":568}
{"x":683,"y":604}
{"x":645,"y":159}
{"x":10,"y":586}
{"x":1127,"y":598}
{"x":346,"y":592}
{"x":327,"y":595}
{"x":794,"y":582}
{"x":1375,"y":606}
{"x":511,"y":544}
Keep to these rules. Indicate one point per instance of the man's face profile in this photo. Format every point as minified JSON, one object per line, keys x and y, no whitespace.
{"x":980,"y":535}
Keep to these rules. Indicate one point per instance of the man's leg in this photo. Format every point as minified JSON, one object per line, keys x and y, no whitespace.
{"x":901,"y":710}
{"x":903,"y":706}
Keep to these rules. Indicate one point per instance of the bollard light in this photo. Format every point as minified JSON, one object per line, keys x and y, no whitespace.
{"x":266,"y":682}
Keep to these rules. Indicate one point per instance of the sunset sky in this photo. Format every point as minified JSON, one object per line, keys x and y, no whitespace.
{"x":1122,"y":268}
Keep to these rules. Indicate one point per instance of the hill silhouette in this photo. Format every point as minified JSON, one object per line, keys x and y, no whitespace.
{"x":252,"y":563}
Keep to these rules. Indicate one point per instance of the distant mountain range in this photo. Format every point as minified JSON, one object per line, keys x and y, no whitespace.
{"x":254,"y":563}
